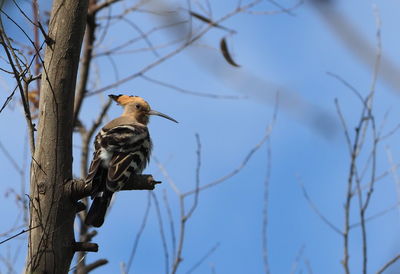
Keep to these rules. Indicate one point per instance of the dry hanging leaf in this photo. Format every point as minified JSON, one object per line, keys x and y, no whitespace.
{"x":226,"y":54}
{"x":33,"y":97}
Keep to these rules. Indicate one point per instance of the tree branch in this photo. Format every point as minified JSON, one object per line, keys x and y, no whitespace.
{"x":389,"y":263}
{"x":95,"y":264}
{"x":82,"y":246}
{"x":102,"y":5}
{"x":78,"y":189}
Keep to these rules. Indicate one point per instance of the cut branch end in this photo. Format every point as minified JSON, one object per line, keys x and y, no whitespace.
{"x":83,"y":246}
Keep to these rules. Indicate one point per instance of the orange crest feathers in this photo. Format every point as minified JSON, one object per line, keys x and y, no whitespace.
{"x":123,"y":100}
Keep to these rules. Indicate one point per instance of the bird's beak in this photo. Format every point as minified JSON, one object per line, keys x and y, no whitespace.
{"x":154,"y":112}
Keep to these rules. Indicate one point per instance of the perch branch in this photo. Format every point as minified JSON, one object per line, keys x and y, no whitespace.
{"x":89,"y":247}
{"x":77,"y":189}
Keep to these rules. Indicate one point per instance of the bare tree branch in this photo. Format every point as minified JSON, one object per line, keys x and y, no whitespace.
{"x":388,"y":264}
{"x":77,"y":189}
{"x":96,"y":264}
{"x":162,"y":234}
{"x":205,"y":257}
{"x":139,"y":235}
{"x":189,"y":92}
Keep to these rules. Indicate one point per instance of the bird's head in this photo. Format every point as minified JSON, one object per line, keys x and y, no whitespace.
{"x":137,"y":107}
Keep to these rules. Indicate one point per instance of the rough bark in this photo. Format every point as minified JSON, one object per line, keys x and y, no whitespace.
{"x":51,"y":243}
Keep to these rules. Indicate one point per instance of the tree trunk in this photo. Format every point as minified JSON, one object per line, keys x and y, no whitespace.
{"x":51,"y":239}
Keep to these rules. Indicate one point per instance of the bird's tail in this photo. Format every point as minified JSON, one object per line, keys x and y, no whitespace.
{"x":98,"y":209}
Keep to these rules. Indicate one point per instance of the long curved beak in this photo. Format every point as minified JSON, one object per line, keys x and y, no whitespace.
{"x":154,"y":112}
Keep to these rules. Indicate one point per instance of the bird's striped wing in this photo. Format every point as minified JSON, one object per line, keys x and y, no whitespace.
{"x":120,"y":150}
{"x":131,"y":148}
{"x":119,"y":165}
{"x":94,"y":166}
{"x":123,"y":138}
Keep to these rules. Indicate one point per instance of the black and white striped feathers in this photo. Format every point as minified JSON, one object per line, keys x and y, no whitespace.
{"x":122,"y":148}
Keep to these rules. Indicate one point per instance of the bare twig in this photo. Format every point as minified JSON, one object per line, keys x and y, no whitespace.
{"x":11,"y":230}
{"x":25,"y":103}
{"x":184,"y":217}
{"x":86,"y":61}
{"x":162,"y":234}
{"x":393,"y":171}
{"x":102,"y":5}
{"x":139,"y":235}
{"x":20,"y":233}
{"x":205,"y":257}
{"x":388,"y":264}
{"x":177,"y":50}
{"x":347,"y":84}
{"x":9,"y":98}
{"x":117,"y":48}
{"x":143,"y":36}
{"x":197,"y":179}
{"x":369,"y":101}
{"x":296,"y":261}
{"x":264,"y":225}
{"x":171,"y":221}
{"x":95,"y":264}
{"x":316,"y":210}
{"x":237,"y":169}
{"x":167,"y":177}
{"x":377,"y":215}
{"x":189,"y":92}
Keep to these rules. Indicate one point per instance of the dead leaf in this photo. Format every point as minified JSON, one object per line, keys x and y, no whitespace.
{"x":226,"y":54}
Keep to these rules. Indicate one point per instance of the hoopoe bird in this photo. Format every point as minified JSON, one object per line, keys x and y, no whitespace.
{"x":122,"y":148}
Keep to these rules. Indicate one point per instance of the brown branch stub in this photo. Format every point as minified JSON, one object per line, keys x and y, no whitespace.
{"x":77,"y":188}
{"x":83,"y":246}
{"x":95,"y":264}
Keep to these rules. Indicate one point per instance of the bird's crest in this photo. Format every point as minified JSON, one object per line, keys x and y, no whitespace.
{"x":124,"y":100}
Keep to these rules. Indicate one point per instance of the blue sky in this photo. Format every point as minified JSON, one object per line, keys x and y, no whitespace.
{"x":276,"y":52}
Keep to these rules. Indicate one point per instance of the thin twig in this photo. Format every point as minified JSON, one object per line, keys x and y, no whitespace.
{"x":264,"y":225}
{"x":139,"y":234}
{"x":177,"y":50}
{"x":388,"y":264}
{"x":164,"y":171}
{"x":205,"y":257}
{"x":393,"y":171}
{"x":162,"y":234}
{"x":316,"y":210}
{"x":237,"y":169}
{"x":25,"y":102}
{"x":170,"y":220}
{"x":9,"y":98}
{"x":197,"y":178}
{"x":20,"y":233}
{"x":186,"y":91}
{"x":296,"y":261}
{"x":377,"y":215}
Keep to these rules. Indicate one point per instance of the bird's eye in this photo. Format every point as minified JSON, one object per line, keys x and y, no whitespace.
{"x":137,"y":106}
